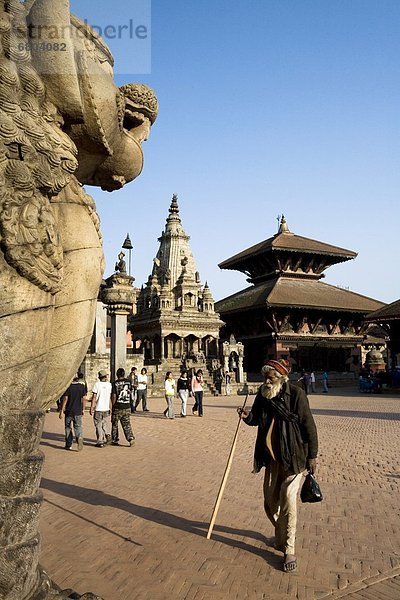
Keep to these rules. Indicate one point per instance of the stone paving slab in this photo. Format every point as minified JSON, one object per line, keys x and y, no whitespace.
{"x":131,"y":523}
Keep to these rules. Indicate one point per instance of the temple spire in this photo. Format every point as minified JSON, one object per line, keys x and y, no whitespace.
{"x":174,"y":219}
{"x":174,"y":208}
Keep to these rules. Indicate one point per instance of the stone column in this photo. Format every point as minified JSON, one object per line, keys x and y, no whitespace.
{"x":119,"y":324}
{"x":100,"y":329}
{"x":226,"y":364}
{"x":162,"y":348}
{"x":119,"y":296}
{"x":240,"y":370}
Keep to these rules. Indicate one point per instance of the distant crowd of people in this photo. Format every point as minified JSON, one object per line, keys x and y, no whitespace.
{"x":113,"y":403}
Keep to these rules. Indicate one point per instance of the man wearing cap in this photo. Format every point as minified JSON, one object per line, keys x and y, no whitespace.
{"x":101,"y":409}
{"x":73,"y":405}
{"x":287,"y":446}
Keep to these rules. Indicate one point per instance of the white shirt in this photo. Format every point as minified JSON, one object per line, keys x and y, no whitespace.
{"x":142,"y":382}
{"x":169,"y":387}
{"x":312,"y":377}
{"x":102,"y":389}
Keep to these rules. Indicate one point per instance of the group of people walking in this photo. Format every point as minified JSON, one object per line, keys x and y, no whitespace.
{"x":184,"y":388}
{"x":112,"y":404}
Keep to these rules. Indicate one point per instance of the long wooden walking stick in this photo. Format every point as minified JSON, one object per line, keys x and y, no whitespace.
{"x":226,"y":474}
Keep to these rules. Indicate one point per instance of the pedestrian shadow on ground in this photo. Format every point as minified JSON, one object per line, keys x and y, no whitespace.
{"x":147,"y":415}
{"x":47,"y":435}
{"x":199,"y":528}
{"x":356,"y":413}
{"x":60,"y":437}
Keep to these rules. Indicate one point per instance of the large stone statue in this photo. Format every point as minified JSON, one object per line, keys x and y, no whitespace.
{"x":63,"y":123}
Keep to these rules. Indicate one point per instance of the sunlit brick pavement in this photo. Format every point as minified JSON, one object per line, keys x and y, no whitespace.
{"x":130,"y":523}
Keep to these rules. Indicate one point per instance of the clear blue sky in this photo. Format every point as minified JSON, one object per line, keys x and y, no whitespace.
{"x":266,"y":106}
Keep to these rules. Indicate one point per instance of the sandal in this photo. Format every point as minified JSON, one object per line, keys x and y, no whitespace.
{"x":290,"y":563}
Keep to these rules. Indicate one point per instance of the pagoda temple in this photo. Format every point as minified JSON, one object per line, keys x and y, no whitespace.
{"x":175,"y":320}
{"x":288,"y":312}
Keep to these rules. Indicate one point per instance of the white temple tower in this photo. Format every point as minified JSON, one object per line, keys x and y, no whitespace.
{"x":175,"y":320}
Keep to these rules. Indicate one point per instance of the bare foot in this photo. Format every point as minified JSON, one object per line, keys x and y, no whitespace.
{"x":289,"y":563}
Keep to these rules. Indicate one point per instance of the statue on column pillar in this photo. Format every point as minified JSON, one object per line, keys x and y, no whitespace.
{"x":63,"y":123}
{"x":119,"y":296}
{"x":120,"y":266}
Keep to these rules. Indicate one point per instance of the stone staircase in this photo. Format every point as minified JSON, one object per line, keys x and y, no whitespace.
{"x":156,"y":375}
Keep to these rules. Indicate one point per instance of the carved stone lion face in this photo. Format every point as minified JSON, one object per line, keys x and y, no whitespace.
{"x":63,"y":123}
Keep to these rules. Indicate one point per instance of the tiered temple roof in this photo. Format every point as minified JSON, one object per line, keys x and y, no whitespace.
{"x":295,"y":293}
{"x":287,"y":255}
{"x":390,"y":312}
{"x":286,"y":270}
{"x":288,"y":311}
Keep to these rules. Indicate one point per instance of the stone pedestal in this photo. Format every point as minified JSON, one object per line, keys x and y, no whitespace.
{"x":20,"y":500}
{"x":119,"y":297}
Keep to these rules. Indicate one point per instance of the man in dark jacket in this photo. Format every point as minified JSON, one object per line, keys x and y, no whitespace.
{"x":72,"y":405}
{"x":287,"y":446}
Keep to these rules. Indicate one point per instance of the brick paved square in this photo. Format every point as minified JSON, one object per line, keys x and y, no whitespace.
{"x":130,"y":523}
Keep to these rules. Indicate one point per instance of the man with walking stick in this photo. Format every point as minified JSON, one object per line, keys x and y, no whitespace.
{"x":287,"y":446}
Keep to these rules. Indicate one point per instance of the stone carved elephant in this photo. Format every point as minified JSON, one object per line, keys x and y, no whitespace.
{"x":63,"y":123}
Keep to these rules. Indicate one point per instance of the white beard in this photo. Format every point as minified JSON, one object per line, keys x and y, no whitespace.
{"x":271,"y":390}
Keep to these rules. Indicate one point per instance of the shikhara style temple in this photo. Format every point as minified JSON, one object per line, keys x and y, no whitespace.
{"x":289,"y":312}
{"x":175,"y":317}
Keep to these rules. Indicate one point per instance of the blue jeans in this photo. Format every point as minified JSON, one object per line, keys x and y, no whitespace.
{"x":198,"y":402}
{"x":76,"y":421}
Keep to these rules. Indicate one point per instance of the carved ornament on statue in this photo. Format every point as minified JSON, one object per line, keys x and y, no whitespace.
{"x":64,"y":123}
